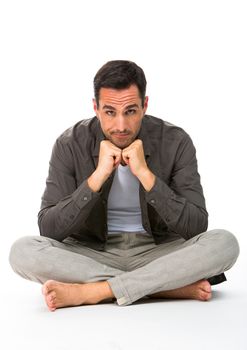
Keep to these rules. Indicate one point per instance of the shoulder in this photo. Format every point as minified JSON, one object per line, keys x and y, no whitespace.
{"x":162,"y":129}
{"x":83,"y":129}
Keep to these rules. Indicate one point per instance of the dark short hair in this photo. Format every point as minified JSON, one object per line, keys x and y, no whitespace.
{"x":119,"y":75}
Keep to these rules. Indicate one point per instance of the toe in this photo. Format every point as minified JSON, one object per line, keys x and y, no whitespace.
{"x":47,"y":287}
{"x":204,"y":296}
{"x":50,"y":300}
{"x":52,"y":308}
{"x":51,"y":304}
{"x":51,"y":296}
{"x":206,"y":286}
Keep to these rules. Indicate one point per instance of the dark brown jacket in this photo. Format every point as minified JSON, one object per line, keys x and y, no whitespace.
{"x":174,"y":207}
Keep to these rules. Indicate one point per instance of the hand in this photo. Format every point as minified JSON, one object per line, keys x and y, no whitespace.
{"x":109,"y":159}
{"x":133,"y":155}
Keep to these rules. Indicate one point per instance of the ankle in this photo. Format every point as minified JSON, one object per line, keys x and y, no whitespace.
{"x":103,"y":290}
{"x":97,"y":291}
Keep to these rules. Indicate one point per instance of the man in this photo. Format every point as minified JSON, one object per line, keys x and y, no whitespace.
{"x":123,"y":214}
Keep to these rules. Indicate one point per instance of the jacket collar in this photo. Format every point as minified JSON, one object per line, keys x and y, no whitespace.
{"x":99,"y":136}
{"x":143,"y":135}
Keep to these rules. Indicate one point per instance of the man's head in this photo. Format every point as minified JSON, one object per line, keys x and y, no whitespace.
{"x":119,"y":75}
{"x":120,"y":102}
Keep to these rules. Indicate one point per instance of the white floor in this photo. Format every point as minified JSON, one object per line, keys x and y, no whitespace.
{"x":148,"y":324}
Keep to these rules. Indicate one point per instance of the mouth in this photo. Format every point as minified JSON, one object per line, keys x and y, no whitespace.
{"x":120,"y":135}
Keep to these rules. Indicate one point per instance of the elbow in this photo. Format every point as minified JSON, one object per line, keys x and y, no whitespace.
{"x":193,"y":225}
{"x":203,"y":221}
{"x":42,"y":223}
{"x":46,"y":226}
{"x":44,"y":229}
{"x":50,"y":227}
{"x":199,"y":224}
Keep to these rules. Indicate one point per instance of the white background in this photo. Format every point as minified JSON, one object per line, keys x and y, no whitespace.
{"x":194,"y":54}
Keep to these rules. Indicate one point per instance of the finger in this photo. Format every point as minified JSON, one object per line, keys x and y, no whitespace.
{"x":125,"y":158}
{"x":117,"y":159}
{"x":123,"y":162}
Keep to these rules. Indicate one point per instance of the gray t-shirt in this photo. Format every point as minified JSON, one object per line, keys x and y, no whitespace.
{"x":123,"y":209}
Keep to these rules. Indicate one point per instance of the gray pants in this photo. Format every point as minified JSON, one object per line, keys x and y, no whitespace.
{"x":133,"y":265}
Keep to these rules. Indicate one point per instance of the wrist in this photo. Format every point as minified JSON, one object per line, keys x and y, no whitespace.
{"x":147,"y":179}
{"x":96,"y":180}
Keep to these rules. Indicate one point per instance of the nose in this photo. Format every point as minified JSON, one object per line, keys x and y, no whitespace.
{"x":120,"y":123}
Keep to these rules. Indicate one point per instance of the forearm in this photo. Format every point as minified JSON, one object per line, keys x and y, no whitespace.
{"x":68,"y":215}
{"x":96,"y":180}
{"x":183,"y":216}
{"x":147,"y":179}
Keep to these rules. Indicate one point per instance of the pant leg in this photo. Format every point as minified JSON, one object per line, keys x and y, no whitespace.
{"x":201,"y":257}
{"x":40,"y":258}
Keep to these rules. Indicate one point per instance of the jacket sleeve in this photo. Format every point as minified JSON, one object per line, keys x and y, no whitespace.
{"x":181,"y":203}
{"x":65,"y":206}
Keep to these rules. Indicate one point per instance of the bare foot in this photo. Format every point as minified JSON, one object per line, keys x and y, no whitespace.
{"x":200,"y":290}
{"x":58,"y":294}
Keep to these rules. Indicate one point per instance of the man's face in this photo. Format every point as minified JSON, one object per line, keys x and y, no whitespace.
{"x":120,"y":113}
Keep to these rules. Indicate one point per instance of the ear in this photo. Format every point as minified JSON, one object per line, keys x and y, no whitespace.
{"x":145,"y":104}
{"x":95,"y":106}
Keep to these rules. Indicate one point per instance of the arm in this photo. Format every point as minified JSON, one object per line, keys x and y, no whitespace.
{"x":181,"y":204}
{"x":65,"y":206}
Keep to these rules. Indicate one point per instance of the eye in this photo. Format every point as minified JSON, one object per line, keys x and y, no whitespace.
{"x":110,"y":113}
{"x":130,"y":111}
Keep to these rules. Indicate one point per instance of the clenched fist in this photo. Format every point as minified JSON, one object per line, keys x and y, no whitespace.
{"x":110,"y":156}
{"x":133,"y":155}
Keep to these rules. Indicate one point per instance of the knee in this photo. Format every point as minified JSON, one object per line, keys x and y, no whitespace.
{"x":229,"y":245}
{"x":21,"y":252}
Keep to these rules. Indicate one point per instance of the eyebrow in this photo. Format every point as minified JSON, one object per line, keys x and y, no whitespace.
{"x":128,"y":107}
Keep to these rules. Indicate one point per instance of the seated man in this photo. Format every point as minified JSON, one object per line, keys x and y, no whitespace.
{"x":123,"y":214}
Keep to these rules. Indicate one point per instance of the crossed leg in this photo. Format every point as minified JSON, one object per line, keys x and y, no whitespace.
{"x":59,"y":294}
{"x":181,"y":274}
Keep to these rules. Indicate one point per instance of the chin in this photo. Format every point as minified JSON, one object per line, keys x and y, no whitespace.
{"x":121,"y":143}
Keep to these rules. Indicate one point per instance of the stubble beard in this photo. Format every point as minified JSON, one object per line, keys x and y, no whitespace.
{"x":122,"y":143}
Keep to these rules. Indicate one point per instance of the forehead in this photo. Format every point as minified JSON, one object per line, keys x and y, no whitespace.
{"x":119,"y":98}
